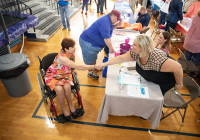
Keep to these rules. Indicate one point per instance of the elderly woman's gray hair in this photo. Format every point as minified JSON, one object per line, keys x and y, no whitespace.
{"x":146,"y":43}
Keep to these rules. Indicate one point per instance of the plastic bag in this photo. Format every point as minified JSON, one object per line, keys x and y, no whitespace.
{"x":136,"y":26}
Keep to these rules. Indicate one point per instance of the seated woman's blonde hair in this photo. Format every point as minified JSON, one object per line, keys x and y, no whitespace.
{"x":146,"y":43}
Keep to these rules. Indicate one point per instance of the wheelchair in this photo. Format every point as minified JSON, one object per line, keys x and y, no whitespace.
{"x":48,"y":95}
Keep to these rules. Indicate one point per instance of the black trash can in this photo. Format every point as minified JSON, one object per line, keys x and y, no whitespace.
{"x":14,"y":74}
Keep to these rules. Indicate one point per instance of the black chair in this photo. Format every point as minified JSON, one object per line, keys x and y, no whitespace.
{"x":174,"y":100}
{"x":46,"y":91}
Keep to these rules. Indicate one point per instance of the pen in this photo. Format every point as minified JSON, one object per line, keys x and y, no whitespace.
{"x":121,"y":72}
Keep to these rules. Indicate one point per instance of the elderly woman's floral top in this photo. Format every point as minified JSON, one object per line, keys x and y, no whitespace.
{"x":58,"y":74}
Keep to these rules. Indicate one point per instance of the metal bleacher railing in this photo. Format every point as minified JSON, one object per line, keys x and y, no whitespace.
{"x":5,"y":49}
{"x":17,"y":7}
{"x":52,"y":3}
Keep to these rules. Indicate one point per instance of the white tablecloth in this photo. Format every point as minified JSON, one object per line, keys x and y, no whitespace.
{"x":116,"y":102}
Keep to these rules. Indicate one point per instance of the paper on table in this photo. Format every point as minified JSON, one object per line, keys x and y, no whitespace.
{"x":137,"y":91}
{"x":128,"y":79}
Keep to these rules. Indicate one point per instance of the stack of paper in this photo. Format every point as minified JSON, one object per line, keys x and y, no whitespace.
{"x":136,"y":91}
{"x":129,"y":79}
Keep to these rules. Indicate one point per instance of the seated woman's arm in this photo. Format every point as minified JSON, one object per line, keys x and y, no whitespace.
{"x":172,"y":66}
{"x":65,"y":61}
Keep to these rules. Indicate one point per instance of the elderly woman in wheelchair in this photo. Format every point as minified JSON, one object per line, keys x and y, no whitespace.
{"x":59,"y":78}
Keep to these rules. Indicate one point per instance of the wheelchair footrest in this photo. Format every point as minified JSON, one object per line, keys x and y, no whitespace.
{"x":78,"y":113}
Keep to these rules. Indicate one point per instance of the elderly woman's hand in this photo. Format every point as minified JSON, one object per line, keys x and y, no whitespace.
{"x":100,"y":66}
{"x":97,"y":66}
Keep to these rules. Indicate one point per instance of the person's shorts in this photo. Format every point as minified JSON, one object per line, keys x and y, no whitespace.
{"x":89,"y":52}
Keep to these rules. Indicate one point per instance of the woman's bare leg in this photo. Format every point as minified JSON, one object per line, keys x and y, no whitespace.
{"x":60,"y":92}
{"x":67,"y":89}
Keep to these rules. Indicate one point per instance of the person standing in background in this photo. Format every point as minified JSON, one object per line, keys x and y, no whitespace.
{"x":132,"y":5}
{"x":193,"y":9}
{"x":187,"y":5}
{"x":164,"y":12}
{"x":64,"y":13}
{"x":100,"y":5}
{"x":85,"y":4}
{"x":192,"y":41}
{"x":174,"y":15}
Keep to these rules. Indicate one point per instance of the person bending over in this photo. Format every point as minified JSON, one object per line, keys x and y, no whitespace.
{"x":98,"y":36}
{"x":152,"y":64}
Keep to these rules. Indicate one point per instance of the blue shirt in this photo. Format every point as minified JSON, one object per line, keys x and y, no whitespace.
{"x":175,"y":11}
{"x":101,"y":29}
{"x":143,"y":19}
{"x":62,"y":3}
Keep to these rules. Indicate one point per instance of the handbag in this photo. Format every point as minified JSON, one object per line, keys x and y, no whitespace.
{"x":124,"y":48}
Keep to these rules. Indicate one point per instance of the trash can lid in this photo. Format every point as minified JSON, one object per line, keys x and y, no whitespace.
{"x":12,"y":61}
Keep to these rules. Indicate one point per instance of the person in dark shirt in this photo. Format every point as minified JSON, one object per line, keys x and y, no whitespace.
{"x":174,"y":15}
{"x":143,"y":17}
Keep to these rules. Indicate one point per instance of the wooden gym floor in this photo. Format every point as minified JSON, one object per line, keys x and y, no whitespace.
{"x":28,"y":118}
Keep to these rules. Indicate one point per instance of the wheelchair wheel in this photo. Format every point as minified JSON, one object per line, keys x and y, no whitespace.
{"x":76,"y":82}
{"x":74,"y":92}
{"x":45,"y":100}
{"x":52,"y":112}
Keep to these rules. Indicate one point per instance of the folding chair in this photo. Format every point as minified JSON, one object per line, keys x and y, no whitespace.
{"x":187,"y":66}
{"x":175,"y":37}
{"x":156,"y":30}
{"x":174,"y":100}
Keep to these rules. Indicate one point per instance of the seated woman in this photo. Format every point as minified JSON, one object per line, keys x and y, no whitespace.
{"x":164,"y":42}
{"x":152,"y":64}
{"x":194,"y":7}
{"x":59,"y":77}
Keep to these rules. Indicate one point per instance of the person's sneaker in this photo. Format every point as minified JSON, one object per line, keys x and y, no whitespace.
{"x":81,"y":12}
{"x":63,"y":28}
{"x":161,"y":26}
{"x":69,"y":29}
{"x":93,"y":75}
{"x":86,"y":13}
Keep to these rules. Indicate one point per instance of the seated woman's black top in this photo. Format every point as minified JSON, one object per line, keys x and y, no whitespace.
{"x":151,"y":70}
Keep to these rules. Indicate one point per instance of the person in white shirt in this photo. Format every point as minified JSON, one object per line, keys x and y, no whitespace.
{"x":164,"y":12}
